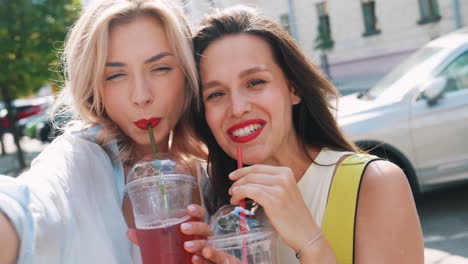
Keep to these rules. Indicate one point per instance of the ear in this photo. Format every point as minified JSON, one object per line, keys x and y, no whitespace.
{"x":294,"y":93}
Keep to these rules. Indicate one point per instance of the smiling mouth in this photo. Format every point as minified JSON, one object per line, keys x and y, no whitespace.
{"x":246,"y":131}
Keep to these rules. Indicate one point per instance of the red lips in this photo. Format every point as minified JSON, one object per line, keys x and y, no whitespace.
{"x":143,"y":123}
{"x":249,"y":137}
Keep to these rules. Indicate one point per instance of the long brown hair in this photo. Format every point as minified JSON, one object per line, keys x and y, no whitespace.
{"x":313,"y":117}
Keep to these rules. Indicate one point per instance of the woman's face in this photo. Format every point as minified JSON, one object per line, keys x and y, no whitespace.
{"x":248,"y":101}
{"x":143,"y":81}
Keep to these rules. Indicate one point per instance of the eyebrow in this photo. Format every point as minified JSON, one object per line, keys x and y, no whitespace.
{"x":152,"y":59}
{"x":241,"y":75}
{"x":253,"y":70}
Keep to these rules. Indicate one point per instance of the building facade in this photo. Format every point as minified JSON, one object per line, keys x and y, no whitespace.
{"x":370,"y":36}
{"x":196,"y":9}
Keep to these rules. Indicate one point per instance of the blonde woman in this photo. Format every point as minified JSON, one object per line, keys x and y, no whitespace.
{"x":127,"y":63}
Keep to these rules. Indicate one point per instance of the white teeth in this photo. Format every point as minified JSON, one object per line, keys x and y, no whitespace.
{"x":242,"y":132}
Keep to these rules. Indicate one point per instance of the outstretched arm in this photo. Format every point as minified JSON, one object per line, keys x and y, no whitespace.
{"x":387,"y":224}
{"x":9,"y":242}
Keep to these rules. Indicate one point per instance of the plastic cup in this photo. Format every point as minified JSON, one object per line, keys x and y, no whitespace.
{"x":160,"y":191}
{"x":261,"y":246}
{"x":255,"y":243}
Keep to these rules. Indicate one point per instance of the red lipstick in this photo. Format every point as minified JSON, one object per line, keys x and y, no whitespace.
{"x":249,"y":137}
{"x":143,"y":123}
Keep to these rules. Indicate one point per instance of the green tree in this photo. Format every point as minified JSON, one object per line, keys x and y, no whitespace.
{"x":31,"y":35}
{"x":324,"y":43}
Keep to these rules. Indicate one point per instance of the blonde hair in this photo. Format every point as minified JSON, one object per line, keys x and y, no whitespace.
{"x":84,"y":57}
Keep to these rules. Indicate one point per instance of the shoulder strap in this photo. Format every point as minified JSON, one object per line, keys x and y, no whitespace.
{"x":339,"y":219}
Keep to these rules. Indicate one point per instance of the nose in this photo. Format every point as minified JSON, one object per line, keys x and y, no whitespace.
{"x":240,"y":104}
{"x":141,"y":93}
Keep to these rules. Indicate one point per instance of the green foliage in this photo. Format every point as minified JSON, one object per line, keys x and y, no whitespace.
{"x":323,"y":40}
{"x":31,"y":36}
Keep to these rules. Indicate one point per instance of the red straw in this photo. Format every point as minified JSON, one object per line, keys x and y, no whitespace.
{"x":243,"y":226}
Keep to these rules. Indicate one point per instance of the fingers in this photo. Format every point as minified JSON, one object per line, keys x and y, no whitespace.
{"x":209,"y":255}
{"x":195,"y":246}
{"x":265,"y":176}
{"x":200,"y":260}
{"x":264,"y":195}
{"x":131,"y":235}
{"x":219,"y":257}
{"x":195,"y":210}
{"x":196,"y":228}
{"x":257,"y":178}
{"x":257,"y":168}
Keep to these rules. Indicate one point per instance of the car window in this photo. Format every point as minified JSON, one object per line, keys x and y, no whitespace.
{"x":457,"y":74}
{"x":406,"y":72}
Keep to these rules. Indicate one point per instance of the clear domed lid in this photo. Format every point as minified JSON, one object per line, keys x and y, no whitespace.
{"x":228,"y":219}
{"x":161,"y":164}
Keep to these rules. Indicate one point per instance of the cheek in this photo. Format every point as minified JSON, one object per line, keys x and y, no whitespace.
{"x":110,"y":99}
{"x":172,"y":101}
{"x":214,"y":120}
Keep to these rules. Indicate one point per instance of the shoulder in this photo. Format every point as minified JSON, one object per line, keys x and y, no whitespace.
{"x":73,"y":144}
{"x":387,"y":223}
{"x":384,"y":186}
{"x":381,"y":174}
{"x":70,"y":151}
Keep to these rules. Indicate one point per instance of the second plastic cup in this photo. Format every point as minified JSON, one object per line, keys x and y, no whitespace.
{"x":260,"y":246}
{"x":257,"y":244}
{"x":160,"y":192}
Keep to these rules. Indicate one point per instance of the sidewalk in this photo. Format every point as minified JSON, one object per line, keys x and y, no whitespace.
{"x":9,"y":162}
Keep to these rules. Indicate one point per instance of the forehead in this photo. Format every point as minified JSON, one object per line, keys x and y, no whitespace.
{"x":140,"y":35}
{"x":235,"y":52}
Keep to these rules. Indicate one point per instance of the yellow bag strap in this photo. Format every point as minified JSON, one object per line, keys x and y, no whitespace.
{"x":340,"y":213}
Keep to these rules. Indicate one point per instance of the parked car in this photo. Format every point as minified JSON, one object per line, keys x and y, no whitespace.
{"x":43,"y":128}
{"x":24,"y":108}
{"x":417,"y":115}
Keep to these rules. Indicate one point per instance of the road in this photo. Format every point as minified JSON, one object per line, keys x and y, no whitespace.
{"x":443,"y":214}
{"x":444,"y":220}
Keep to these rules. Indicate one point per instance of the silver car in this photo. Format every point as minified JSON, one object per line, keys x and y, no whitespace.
{"x":417,"y":115}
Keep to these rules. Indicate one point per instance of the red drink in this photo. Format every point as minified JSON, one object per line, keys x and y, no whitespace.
{"x":164,"y":244}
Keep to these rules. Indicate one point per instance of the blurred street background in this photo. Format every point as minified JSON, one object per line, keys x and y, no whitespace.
{"x":370,"y":49}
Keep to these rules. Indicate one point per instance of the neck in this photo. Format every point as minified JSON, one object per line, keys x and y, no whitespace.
{"x":146,"y":150}
{"x":295,"y":157}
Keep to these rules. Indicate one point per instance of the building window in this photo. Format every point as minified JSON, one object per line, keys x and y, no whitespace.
{"x":429,"y":10}
{"x":324,"y":19}
{"x":284,"y":22}
{"x":370,"y":19}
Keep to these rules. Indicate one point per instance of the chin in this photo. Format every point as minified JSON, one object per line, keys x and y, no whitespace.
{"x":252,"y":158}
{"x":140,"y":138}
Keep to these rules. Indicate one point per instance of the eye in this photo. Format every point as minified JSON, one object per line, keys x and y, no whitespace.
{"x":214,"y":95}
{"x":114,"y":76}
{"x":162,"y":69}
{"x":255,"y":82}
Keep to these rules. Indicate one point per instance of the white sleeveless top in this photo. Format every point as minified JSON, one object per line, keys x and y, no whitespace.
{"x":314,"y":186}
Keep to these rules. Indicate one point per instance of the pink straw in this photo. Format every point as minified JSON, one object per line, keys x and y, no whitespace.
{"x":243,"y":226}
